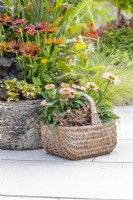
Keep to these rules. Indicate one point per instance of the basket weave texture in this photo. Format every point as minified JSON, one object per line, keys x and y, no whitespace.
{"x":83,"y":141}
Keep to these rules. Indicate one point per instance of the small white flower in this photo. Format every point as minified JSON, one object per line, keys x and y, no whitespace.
{"x":43,"y":103}
{"x":112,"y":78}
{"x":49,"y":86}
{"x":75,"y":86}
{"x":79,"y":39}
{"x":92,"y":86}
{"x":78,"y":87}
{"x":82,"y":88}
{"x":65,"y":85}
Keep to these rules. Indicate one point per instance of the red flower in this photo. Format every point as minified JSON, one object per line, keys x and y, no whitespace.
{"x":5,"y":20}
{"x":91,"y":25}
{"x":92,"y":34}
{"x":30,"y":31}
{"x":19,"y":22}
{"x":53,"y":30}
{"x":14,"y":46}
{"x":37,"y":28}
{"x":1,"y":20}
{"x":19,"y":31}
{"x":3,"y":46}
{"x":30,"y":51}
{"x":58,"y":41}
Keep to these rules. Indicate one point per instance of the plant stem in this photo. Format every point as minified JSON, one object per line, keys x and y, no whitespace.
{"x":3,"y":31}
{"x":27,"y":37}
{"x":118,"y":14}
{"x":19,"y":63}
{"x":38,"y":37}
{"x":32,"y":75}
{"x":103,"y":93}
{"x":22,"y":36}
{"x":42,"y":73}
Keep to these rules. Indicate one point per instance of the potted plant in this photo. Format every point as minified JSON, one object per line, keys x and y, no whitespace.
{"x":72,"y":125}
{"x":32,"y":43}
{"x":23,"y":74}
{"x":38,"y":43}
{"x":19,"y":128}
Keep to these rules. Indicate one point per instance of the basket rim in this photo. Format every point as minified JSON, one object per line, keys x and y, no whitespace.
{"x":80,"y":127}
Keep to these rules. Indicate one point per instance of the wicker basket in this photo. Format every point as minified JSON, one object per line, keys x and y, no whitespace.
{"x":81,"y":142}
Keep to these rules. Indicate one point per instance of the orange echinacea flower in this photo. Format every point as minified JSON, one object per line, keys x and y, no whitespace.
{"x":30,"y":51}
{"x":14,"y":46}
{"x":19,"y":22}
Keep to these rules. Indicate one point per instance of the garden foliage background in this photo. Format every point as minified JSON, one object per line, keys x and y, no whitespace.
{"x":44,"y":42}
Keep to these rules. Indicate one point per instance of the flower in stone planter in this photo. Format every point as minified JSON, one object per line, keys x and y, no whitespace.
{"x":15,"y":46}
{"x":31,"y":32}
{"x":44,"y":60}
{"x":37,"y":28}
{"x":30,"y":51}
{"x":58,"y":41}
{"x":19,"y":31}
{"x":5,"y":20}
{"x":91,"y":25}
{"x":1,"y":20}
{"x":3,"y":46}
{"x":19,"y":22}
{"x":79,"y":39}
{"x":53,"y":30}
{"x":49,"y":41}
{"x":92,"y":34}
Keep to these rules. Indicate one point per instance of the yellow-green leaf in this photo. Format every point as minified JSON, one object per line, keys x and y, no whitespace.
{"x":80,"y":46}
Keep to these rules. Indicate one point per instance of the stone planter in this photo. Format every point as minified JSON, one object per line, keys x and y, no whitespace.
{"x":19,"y":126}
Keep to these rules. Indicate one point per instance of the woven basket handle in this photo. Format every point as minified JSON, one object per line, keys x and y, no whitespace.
{"x":94,"y":115}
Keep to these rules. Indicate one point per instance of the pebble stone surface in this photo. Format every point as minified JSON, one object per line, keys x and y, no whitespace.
{"x":36,"y":175}
{"x":19,"y":127}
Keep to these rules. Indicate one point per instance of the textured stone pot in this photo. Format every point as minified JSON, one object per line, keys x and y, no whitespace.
{"x":19,"y":126}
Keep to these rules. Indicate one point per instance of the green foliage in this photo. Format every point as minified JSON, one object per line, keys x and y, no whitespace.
{"x":65,"y":55}
{"x":68,"y":98}
{"x":19,"y":90}
{"x":102,"y":11}
{"x":117,"y":62}
{"x":124,"y":4}
{"x":60,"y":103}
{"x":106,"y":113}
{"x":48,"y":49}
{"x":12,"y":90}
{"x":118,"y":36}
